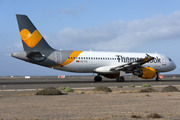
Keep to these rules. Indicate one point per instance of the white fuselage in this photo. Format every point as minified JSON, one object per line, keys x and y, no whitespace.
{"x":88,"y":61}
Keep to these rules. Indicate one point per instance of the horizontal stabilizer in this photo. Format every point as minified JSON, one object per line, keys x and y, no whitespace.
{"x":36,"y":55}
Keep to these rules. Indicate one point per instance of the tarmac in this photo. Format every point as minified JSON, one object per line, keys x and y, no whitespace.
{"x":19,"y":102}
{"x":79,"y":82}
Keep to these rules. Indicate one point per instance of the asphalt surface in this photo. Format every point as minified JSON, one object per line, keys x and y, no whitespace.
{"x":7,"y":83}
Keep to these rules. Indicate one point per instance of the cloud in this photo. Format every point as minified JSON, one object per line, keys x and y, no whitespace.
{"x":8,"y":49}
{"x":73,"y":12}
{"x":119,"y":35}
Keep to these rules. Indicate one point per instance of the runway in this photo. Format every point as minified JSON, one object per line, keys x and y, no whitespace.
{"x":33,"y":82}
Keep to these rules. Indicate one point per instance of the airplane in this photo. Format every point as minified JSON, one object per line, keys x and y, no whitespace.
{"x":108,"y":64}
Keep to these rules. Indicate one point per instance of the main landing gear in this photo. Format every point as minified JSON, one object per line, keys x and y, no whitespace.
{"x":157,"y":77}
{"x":98,"y":78}
{"x":120,"y":79}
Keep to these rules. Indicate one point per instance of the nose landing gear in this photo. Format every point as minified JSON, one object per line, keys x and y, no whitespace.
{"x":157,"y":77}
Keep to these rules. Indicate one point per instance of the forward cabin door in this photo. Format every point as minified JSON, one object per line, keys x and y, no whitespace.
{"x":163,"y":60}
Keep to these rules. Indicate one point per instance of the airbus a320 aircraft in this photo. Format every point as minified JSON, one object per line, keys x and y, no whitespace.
{"x":107,"y":64}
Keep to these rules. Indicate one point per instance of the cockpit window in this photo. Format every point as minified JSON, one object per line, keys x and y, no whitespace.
{"x":170,"y":59}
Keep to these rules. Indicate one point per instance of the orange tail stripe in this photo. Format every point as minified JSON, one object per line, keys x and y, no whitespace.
{"x":68,"y":61}
{"x":73,"y":54}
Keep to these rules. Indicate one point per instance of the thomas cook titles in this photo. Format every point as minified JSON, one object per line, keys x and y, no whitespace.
{"x":122,"y":59}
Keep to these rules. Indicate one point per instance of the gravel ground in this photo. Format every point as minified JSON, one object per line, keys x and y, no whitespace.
{"x":114,"y":106}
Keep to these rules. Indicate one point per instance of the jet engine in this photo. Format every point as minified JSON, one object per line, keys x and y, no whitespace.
{"x":145,"y":72}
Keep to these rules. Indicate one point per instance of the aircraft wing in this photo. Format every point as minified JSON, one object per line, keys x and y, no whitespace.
{"x":130,"y":66}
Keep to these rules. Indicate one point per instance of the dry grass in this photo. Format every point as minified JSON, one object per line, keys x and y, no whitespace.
{"x":137,"y":91}
{"x":23,"y":119}
{"x":169,"y":114}
{"x":102,"y":88}
{"x":154,"y":115}
{"x":122,"y":91}
{"x":102,"y":92}
{"x":143,"y":95}
{"x":135,"y":116}
{"x":110,"y":117}
{"x":128,"y":91}
{"x":78,"y":92}
{"x":95,"y":92}
{"x":147,"y":95}
{"x":145,"y":90}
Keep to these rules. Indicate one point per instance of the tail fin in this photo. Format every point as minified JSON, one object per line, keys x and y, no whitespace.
{"x":32,"y":40}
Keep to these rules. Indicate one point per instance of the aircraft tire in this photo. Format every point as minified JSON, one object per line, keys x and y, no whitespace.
{"x":157,"y":77}
{"x":120,"y":79}
{"x":98,"y":79}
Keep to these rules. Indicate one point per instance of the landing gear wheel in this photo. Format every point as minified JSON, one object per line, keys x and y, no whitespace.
{"x":120,"y":79}
{"x":157,"y":77}
{"x":98,"y":79}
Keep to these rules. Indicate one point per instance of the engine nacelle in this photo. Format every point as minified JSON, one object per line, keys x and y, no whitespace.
{"x":145,"y":72}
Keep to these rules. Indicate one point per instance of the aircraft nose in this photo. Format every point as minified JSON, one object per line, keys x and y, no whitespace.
{"x":173,"y":65}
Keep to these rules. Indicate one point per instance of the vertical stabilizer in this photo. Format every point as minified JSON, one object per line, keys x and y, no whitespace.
{"x":32,"y":40}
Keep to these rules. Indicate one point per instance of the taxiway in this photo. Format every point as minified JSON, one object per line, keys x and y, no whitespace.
{"x":33,"y":82}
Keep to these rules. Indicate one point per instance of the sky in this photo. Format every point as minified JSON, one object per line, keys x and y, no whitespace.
{"x":145,"y":26}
